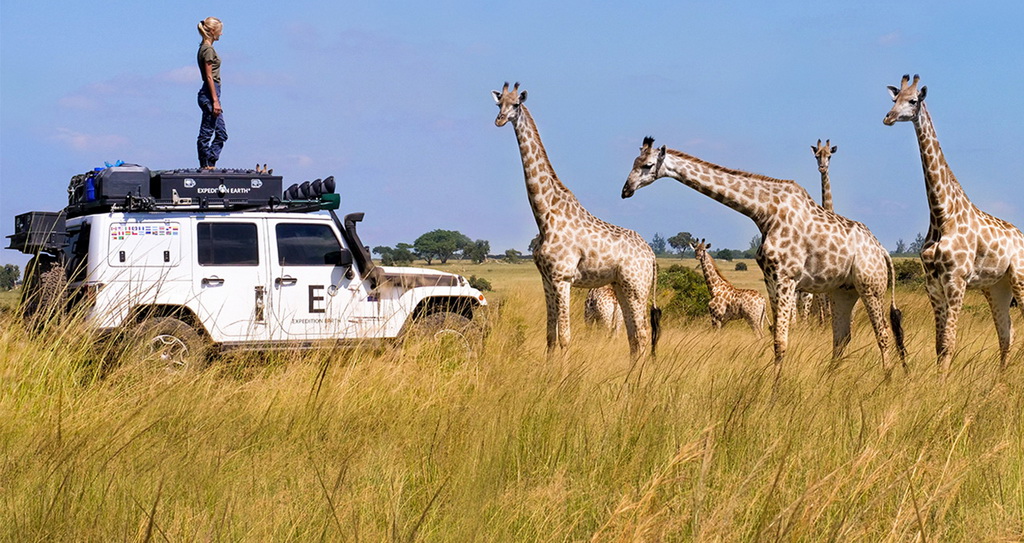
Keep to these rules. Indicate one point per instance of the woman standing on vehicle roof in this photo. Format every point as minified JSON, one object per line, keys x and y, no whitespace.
{"x":212,"y":132}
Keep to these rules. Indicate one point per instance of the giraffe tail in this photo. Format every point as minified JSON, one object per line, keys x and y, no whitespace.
{"x":896,"y":316}
{"x":655,"y":312}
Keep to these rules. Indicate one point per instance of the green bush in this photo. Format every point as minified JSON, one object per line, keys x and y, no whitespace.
{"x":690,"y":295}
{"x":909,"y":271}
{"x":479,"y":283}
{"x":741,"y":266}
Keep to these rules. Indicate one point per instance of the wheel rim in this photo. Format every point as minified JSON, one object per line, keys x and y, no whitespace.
{"x":170,"y":350}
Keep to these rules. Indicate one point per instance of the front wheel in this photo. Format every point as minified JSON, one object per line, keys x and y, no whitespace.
{"x":168,"y":343}
{"x":451,"y":337}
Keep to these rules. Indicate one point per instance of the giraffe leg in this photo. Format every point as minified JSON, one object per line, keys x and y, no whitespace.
{"x":876,"y":309}
{"x":785,"y":294}
{"x":1017,"y":287}
{"x":634,"y":313}
{"x":562,"y":290}
{"x":999,"y":297}
{"x":551,"y":302}
{"x":842,"y":318}
{"x":938,"y":300}
{"x":954,"y":289}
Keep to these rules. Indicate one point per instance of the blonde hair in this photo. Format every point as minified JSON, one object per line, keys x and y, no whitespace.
{"x":208,"y":27}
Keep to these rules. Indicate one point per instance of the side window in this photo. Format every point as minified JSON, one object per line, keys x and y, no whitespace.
{"x":227,"y":244}
{"x":76,"y":252}
{"x":307,"y":245}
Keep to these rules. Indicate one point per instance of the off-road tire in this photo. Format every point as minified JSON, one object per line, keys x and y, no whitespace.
{"x":447,"y":330}
{"x":167,"y":343}
{"x":45,"y":287}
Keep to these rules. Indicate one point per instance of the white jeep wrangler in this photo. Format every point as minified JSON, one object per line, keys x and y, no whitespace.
{"x":256,"y":272}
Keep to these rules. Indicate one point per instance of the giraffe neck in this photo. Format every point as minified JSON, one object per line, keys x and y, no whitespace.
{"x":543,"y":187}
{"x":755,"y":196}
{"x":945,"y":195}
{"x":826,"y":191}
{"x":712,"y":276}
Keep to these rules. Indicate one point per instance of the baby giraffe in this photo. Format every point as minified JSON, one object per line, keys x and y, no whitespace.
{"x":602,"y":309}
{"x":728,"y":302}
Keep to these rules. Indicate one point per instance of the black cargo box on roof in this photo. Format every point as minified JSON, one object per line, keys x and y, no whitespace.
{"x":240,"y":187}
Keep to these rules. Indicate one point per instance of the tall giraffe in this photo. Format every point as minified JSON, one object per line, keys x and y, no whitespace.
{"x":575,"y":247}
{"x":804,"y":246}
{"x":728,"y":302}
{"x":821,"y":305}
{"x":965,"y":247}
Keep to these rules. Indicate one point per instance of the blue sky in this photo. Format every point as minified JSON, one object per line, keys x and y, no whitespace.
{"x":393,"y":99}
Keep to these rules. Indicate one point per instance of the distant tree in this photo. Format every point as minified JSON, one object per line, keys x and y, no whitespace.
{"x":400,"y":255}
{"x":513,"y":256}
{"x":901,"y":247}
{"x":477,"y":251}
{"x":534,"y":244}
{"x":741,"y":266}
{"x":915,"y":248}
{"x":724,"y":254}
{"x":681,"y":242}
{"x":658,"y":244}
{"x":9,"y":275}
{"x":440,"y":244}
{"x":755,"y":244}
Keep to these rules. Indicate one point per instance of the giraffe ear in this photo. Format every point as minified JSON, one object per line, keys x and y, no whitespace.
{"x":893,"y":91}
{"x":522,"y":97}
{"x":814,"y":150}
{"x":497,"y":97}
{"x":707,"y":246}
{"x":835,"y":148}
{"x":661,"y":157}
{"x":922,"y":92}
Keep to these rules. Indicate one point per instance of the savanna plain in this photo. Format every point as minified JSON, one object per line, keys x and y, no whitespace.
{"x":422,"y":443}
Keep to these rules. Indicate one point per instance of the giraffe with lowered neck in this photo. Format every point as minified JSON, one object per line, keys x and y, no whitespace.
{"x":600,"y":308}
{"x":804,"y":247}
{"x":728,"y":302}
{"x":965,"y":247}
{"x":575,"y":247}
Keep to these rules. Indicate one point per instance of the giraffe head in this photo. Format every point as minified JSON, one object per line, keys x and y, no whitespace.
{"x":700,"y":248}
{"x":907,"y":101}
{"x":646,"y":168}
{"x":508,"y":104}
{"x":823,"y":154}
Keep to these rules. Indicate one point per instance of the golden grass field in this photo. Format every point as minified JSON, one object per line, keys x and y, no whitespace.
{"x":403,"y":445}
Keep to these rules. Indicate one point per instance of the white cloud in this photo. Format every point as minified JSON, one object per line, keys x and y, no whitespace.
{"x":80,"y":141}
{"x":184,"y":75}
{"x":892,"y":38}
{"x":78,"y":101}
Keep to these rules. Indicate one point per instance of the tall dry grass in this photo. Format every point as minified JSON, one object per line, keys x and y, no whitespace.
{"x":418,"y":446}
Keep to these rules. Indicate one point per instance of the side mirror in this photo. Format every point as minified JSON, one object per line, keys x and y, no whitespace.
{"x":341,"y":257}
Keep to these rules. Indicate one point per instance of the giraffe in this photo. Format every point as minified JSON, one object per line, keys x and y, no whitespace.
{"x":820,"y":306}
{"x":601,"y":308}
{"x":803,"y":246}
{"x":575,"y":247}
{"x":728,"y":302}
{"x":965,"y":247}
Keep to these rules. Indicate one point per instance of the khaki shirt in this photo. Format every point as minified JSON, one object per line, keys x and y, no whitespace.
{"x":208,"y":55}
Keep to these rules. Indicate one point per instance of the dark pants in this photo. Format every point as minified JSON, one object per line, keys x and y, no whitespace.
{"x":212,"y":132}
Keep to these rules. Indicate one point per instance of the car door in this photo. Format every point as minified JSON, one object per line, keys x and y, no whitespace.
{"x":313,"y":290}
{"x":231,"y":284}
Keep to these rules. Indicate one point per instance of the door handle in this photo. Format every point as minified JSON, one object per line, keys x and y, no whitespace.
{"x":212,"y":281}
{"x":286,"y":280}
